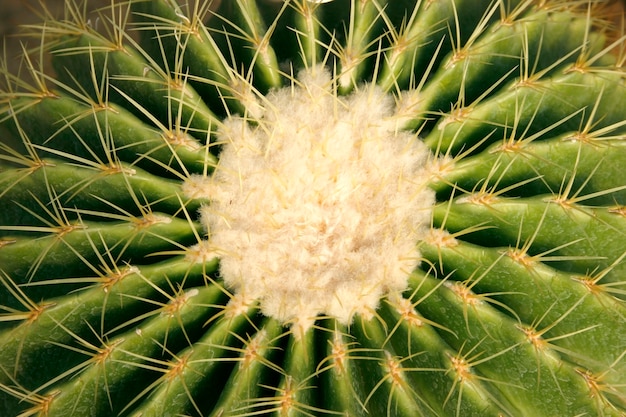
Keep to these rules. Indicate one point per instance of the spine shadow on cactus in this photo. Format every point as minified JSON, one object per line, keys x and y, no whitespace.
{"x":303,"y":208}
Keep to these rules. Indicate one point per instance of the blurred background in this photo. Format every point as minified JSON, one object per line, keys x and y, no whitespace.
{"x":15,"y":13}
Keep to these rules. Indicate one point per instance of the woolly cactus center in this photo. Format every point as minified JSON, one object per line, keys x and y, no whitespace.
{"x":317,"y":202}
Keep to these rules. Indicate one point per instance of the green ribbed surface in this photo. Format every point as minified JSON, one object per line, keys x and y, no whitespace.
{"x":518,"y":307}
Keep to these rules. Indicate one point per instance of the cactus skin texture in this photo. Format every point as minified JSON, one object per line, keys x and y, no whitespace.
{"x":112,"y":299}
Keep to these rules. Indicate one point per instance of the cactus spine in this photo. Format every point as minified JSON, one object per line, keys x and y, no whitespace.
{"x":311,"y":208}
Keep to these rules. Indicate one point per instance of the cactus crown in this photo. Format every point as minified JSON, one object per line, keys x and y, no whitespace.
{"x":316,"y":208}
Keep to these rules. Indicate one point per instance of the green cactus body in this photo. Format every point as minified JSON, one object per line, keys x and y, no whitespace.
{"x":315,"y":208}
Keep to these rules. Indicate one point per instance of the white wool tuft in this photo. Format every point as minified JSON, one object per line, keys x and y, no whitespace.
{"x":316,"y":208}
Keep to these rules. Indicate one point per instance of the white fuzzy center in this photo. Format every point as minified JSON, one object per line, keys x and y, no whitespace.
{"x":318,"y":202}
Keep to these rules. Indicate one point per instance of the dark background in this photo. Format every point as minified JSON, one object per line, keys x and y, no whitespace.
{"x":15,"y":13}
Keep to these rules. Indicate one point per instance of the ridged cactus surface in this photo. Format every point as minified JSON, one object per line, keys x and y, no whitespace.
{"x":315,"y":208}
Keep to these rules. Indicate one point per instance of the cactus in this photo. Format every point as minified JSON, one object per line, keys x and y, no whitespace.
{"x":315,"y":208}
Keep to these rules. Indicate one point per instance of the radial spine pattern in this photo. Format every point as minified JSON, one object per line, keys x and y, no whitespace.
{"x":315,"y":208}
